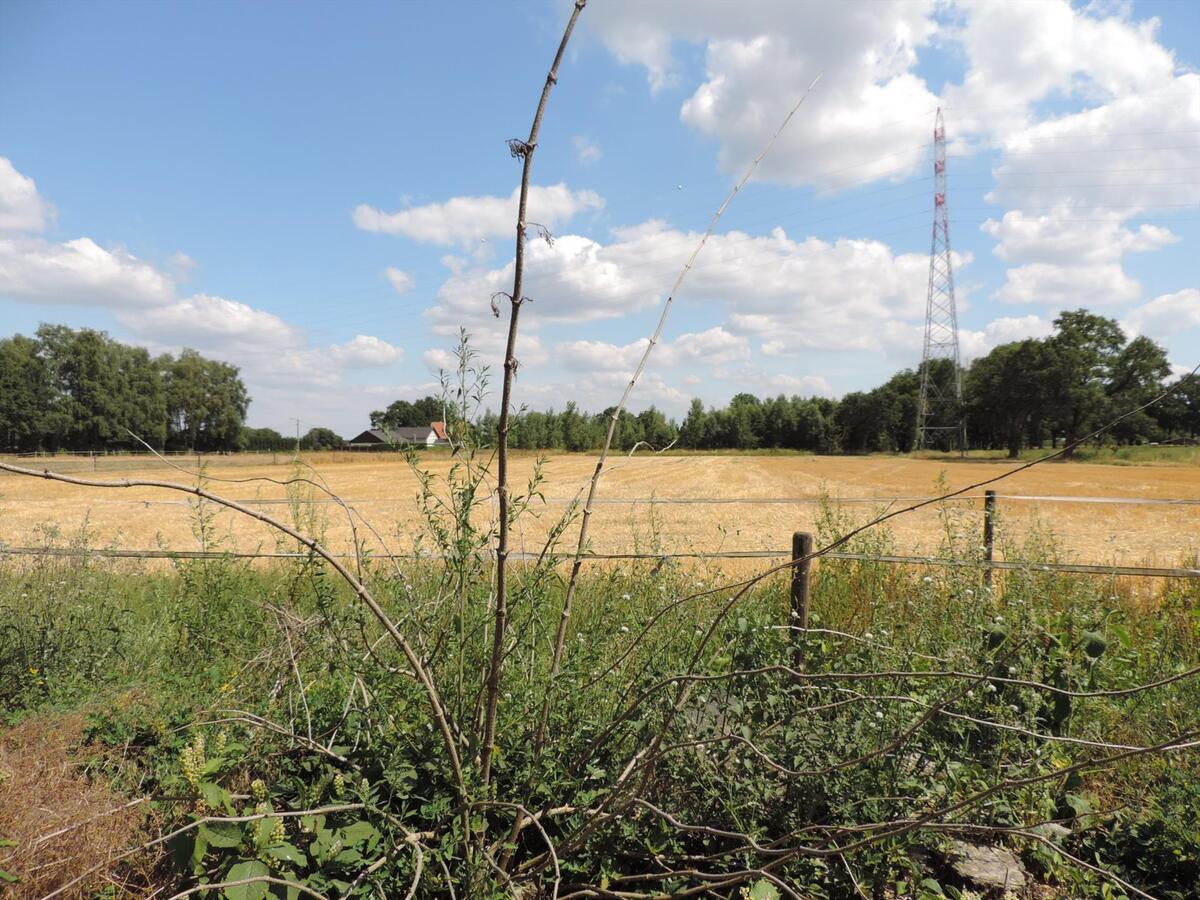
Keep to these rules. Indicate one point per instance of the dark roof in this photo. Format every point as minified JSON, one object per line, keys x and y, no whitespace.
{"x":418,"y":435}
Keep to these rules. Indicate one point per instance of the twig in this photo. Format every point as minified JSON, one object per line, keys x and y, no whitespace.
{"x":525,"y":151}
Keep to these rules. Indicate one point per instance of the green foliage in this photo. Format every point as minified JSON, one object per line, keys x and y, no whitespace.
{"x":78,"y":389}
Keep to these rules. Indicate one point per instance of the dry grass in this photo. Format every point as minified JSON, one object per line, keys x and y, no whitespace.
{"x":62,"y":822}
{"x":384,"y":489}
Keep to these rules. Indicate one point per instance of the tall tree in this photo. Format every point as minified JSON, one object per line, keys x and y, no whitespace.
{"x":1085,"y":347}
{"x":1008,"y":391}
{"x":27,"y":401}
{"x":206,"y":403}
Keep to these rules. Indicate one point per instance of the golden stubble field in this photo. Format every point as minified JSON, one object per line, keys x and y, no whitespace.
{"x":383,"y":489}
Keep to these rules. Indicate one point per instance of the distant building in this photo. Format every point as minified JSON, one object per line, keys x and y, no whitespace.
{"x":431,"y":435}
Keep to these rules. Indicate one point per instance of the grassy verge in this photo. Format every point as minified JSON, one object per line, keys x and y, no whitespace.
{"x":219,"y":688}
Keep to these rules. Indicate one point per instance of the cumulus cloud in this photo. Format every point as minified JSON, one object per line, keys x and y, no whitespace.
{"x":1122,"y":157}
{"x":1006,"y":329}
{"x":1165,"y":315}
{"x":712,"y":347}
{"x":205,"y":321}
{"x":365,"y":352}
{"x":759,"y":58}
{"x":21,"y":206}
{"x":1062,"y":237}
{"x":79,"y":272}
{"x":400,"y":280}
{"x":467,"y":220}
{"x":1069,"y":258}
{"x":576,"y":279}
{"x":794,"y":295}
{"x":1019,"y":54}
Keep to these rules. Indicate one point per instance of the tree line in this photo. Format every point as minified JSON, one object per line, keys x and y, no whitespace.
{"x":1027,"y":393}
{"x":78,"y":389}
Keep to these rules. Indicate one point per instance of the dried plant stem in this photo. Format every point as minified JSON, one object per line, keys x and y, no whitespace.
{"x":561,"y":633}
{"x":500,"y":628}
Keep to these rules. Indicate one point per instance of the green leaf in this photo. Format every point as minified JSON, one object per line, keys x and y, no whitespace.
{"x":250,"y":868}
{"x":221,"y":834}
{"x":358,"y":833}
{"x":8,"y":876}
{"x":763,"y":890}
{"x":199,"y":848}
{"x":288,"y":853}
{"x":214,"y":795}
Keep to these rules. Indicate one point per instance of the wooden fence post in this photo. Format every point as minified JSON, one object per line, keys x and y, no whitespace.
{"x":989,"y":534}
{"x":802,"y":547}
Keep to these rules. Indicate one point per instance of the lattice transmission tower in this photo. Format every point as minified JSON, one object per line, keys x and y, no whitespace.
{"x":939,"y":409}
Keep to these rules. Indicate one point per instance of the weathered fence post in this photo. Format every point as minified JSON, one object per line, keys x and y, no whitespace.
{"x":989,"y":534}
{"x":802,"y":548}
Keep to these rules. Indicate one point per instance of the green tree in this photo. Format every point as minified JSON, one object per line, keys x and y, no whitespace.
{"x":1085,"y":347}
{"x":1135,"y":377}
{"x":403,"y":414}
{"x":692,"y":431}
{"x":321,"y":439}
{"x":1007,"y":392}
{"x":104,"y":390}
{"x":28,"y":410}
{"x":264,"y":439}
{"x":206,"y":403}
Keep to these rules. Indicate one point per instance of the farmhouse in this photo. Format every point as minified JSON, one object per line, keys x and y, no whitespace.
{"x":431,"y":435}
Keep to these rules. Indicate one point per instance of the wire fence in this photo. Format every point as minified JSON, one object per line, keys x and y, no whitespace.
{"x":931,"y":561}
{"x":669,"y":501}
{"x":987,"y":562}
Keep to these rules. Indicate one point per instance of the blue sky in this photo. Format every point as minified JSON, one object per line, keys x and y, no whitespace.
{"x":321,"y":193}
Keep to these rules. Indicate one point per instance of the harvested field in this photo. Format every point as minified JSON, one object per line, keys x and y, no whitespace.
{"x":384,"y":489}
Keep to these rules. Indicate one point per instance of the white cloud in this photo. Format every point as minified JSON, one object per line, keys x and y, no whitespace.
{"x":1165,"y":315}
{"x":871,"y":116}
{"x":1063,"y":237}
{"x":181,"y":265}
{"x":795,"y":295}
{"x":21,"y":207}
{"x":1004,"y":330}
{"x":80,"y":273}
{"x":400,"y":280}
{"x":760,"y":55}
{"x":587,"y":151}
{"x":1070,"y":259}
{"x":1126,"y":157}
{"x":467,"y":220}
{"x":1021,"y":53}
{"x":364,"y":352}
{"x":712,"y":347}
{"x":204,"y":321}
{"x":576,"y":279}
{"x":439,"y":360}
{"x":1064,"y":286}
